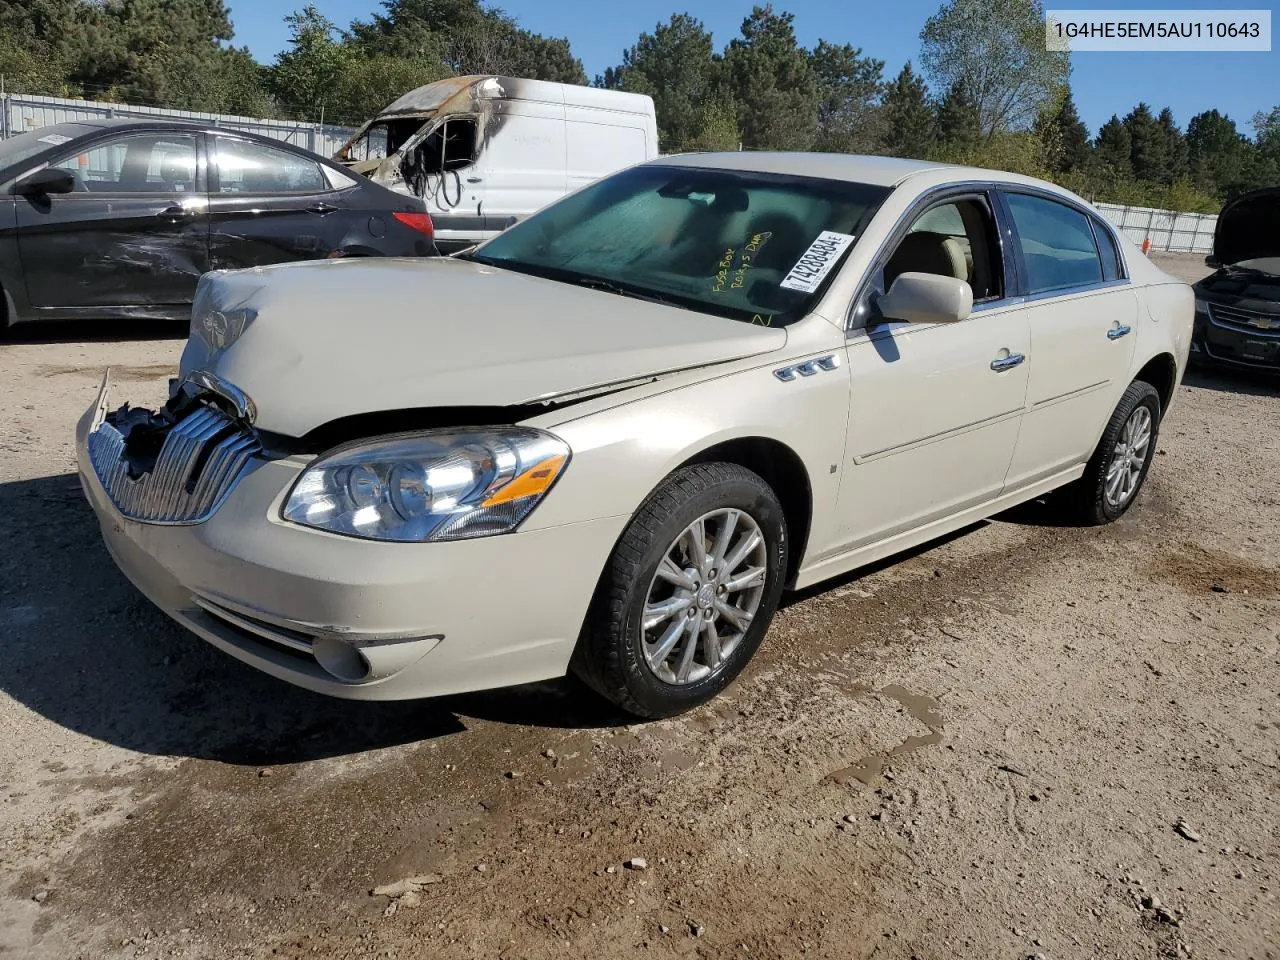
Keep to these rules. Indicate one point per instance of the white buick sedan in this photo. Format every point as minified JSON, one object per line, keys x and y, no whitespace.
{"x":607,"y":440}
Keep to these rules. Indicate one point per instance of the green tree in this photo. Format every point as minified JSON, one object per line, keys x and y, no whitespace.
{"x":1177,"y":165}
{"x":772,"y":82}
{"x":847,"y":86}
{"x":1065,"y":137}
{"x":307,"y":73}
{"x":471,"y":38}
{"x":1148,"y":145}
{"x":1113,"y":149}
{"x":908,"y":119}
{"x":677,"y":66}
{"x":958,"y":122}
{"x":1219,"y":156}
{"x":997,"y":47}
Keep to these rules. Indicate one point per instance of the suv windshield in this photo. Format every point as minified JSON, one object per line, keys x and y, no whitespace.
{"x":26,"y":145}
{"x":752,"y":246}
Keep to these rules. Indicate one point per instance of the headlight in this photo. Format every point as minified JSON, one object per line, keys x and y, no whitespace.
{"x":1202,"y":306}
{"x":438,"y":485}
{"x":221,"y":328}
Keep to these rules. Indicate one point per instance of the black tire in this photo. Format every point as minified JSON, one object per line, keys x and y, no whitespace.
{"x":1086,"y":500}
{"x":610,"y":653}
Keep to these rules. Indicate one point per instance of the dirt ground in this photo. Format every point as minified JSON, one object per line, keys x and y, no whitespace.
{"x":1026,"y":740}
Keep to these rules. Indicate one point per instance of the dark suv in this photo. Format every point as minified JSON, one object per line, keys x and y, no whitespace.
{"x":1238,"y":306}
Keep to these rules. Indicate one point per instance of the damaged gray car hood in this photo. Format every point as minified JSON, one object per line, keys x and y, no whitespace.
{"x":333,"y":339}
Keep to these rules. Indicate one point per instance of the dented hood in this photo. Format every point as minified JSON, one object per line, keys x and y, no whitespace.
{"x":332,"y":339}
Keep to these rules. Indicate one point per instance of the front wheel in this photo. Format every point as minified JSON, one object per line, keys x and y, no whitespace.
{"x":1119,"y":465}
{"x":688,"y":593}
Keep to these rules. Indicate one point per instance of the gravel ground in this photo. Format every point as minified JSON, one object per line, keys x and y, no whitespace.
{"x":1023,"y":740}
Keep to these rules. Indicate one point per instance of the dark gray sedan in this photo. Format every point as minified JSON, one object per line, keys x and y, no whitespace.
{"x":119,"y":218}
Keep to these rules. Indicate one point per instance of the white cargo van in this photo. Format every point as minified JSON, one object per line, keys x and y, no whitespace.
{"x":484,"y":151}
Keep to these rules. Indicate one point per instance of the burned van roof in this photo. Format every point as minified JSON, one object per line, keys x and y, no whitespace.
{"x":458,"y":94}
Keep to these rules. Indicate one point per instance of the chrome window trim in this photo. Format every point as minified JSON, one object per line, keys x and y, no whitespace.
{"x":988,"y":190}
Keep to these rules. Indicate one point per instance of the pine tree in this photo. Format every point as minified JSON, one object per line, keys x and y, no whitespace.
{"x":1113,"y":148}
{"x":1177,"y":165}
{"x":958,"y":121}
{"x":908,"y":119}
{"x":1148,"y":145}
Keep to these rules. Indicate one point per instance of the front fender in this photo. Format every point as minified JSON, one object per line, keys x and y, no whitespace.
{"x":622,"y":453}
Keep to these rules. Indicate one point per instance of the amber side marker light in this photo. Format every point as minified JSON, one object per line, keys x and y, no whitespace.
{"x":530,"y":483}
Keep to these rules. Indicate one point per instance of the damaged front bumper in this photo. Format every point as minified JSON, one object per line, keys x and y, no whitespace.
{"x":352,"y":618}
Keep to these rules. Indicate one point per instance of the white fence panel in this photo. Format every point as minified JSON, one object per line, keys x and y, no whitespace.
{"x":20,"y":113}
{"x":1168,"y":230}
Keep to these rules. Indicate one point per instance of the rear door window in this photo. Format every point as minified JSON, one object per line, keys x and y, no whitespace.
{"x":246,"y":167}
{"x":1057,"y":244}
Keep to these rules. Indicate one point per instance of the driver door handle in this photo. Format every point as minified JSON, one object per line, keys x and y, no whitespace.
{"x":1116,"y":332}
{"x":1000,"y":364}
{"x":176,"y":213}
{"x":321,"y":208}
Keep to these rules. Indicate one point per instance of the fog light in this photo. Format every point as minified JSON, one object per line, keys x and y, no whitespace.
{"x":340,"y":660}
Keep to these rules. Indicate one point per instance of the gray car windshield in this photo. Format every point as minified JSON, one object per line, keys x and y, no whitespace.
{"x":752,"y":246}
{"x":26,"y":145}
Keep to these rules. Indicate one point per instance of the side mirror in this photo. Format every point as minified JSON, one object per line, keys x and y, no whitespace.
{"x":1212,"y":261}
{"x":927,"y":298}
{"x":46,"y":181}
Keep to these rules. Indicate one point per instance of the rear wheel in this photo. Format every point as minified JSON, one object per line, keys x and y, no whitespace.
{"x":688,"y":593}
{"x":1119,"y":465}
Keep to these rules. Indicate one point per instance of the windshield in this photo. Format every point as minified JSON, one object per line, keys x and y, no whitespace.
{"x":27,"y":145}
{"x":752,"y":246}
{"x":382,"y":138}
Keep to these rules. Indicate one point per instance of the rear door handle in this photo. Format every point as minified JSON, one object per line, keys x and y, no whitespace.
{"x":176,"y":213}
{"x":1000,"y":364}
{"x":1118,"y":331}
{"x":321,"y":208}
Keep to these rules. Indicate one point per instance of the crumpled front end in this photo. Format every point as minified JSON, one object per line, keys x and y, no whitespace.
{"x":189,"y":501}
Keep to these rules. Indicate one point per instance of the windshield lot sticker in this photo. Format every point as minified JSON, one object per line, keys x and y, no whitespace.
{"x":55,"y":139}
{"x":816,"y":262}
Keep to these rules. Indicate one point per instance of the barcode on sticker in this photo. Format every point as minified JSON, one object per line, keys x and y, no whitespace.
{"x":816,"y":262}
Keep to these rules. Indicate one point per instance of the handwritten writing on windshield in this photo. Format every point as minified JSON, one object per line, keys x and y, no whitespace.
{"x":735,"y":277}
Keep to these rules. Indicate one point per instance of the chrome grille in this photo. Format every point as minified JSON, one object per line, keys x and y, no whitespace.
{"x":202,"y":458}
{"x":1245,"y":320}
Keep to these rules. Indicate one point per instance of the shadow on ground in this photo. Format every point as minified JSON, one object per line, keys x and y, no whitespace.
{"x":1244,"y":382}
{"x":80,"y":646}
{"x":95,"y":331}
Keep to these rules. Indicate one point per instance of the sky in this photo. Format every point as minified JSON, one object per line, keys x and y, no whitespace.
{"x":1237,"y":84}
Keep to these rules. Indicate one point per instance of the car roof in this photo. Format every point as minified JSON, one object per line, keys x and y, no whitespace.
{"x":854,"y":168}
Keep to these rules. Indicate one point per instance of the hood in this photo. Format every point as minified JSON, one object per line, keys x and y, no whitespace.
{"x":1247,"y":231}
{"x":338,"y":338}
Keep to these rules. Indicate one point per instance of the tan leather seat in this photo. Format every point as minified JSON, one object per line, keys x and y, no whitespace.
{"x":925,"y":252}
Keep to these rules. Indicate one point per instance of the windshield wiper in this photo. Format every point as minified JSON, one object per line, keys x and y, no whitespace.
{"x":611,"y":286}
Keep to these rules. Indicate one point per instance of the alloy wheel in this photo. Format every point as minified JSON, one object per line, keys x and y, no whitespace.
{"x":701,"y":601}
{"x":1128,"y":458}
